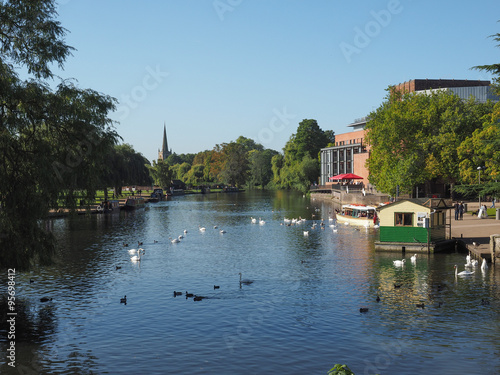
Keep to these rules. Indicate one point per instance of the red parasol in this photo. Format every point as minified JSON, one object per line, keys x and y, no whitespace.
{"x":346,"y":176}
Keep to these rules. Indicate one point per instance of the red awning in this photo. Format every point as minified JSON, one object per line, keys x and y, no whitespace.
{"x":346,"y":176}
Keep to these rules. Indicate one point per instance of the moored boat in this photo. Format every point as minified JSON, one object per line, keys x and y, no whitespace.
{"x":358,"y":214}
{"x":133,"y":203}
{"x":109,"y":206}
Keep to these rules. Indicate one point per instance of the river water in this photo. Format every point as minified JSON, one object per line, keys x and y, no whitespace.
{"x":301,"y":314}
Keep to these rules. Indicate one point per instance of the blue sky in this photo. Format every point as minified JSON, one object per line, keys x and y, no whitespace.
{"x":213,"y":70}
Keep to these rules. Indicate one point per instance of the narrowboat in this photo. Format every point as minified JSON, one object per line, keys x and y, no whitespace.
{"x":133,"y":203}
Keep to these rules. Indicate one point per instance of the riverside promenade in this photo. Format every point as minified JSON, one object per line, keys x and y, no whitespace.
{"x":472,"y":230}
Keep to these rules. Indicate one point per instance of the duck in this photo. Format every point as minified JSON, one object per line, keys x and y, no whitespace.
{"x":363,"y":309}
{"x":399,"y":263}
{"x":198,"y":298}
{"x":185,"y":231}
{"x":216,"y":286}
{"x":378,"y":298}
{"x":45,"y":299}
{"x":177,"y":293}
{"x":245,"y":281}
{"x":189,"y":294}
{"x":420,"y":305}
{"x":123,"y":300}
{"x":118,"y":267}
{"x":222,"y":231}
{"x":463,"y":273}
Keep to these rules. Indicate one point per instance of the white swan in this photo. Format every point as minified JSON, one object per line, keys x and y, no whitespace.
{"x":136,"y":258}
{"x":414,"y":258}
{"x":245,"y":281}
{"x":484,"y":265}
{"x":202,"y":229}
{"x":222,"y":231}
{"x":463,"y":273}
{"x":254,"y":220}
{"x":174,"y":240}
{"x":132,"y":251}
{"x":306,"y":233}
{"x":467,"y":258}
{"x":399,"y":263}
{"x":261,"y":222}
{"x":474,"y":262}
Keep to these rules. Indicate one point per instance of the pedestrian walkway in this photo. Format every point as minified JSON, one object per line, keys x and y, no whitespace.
{"x":475,"y":233}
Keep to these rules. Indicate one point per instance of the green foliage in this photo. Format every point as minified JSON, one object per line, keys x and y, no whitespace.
{"x":339,"y":369}
{"x":52,"y":142}
{"x":161,"y":173}
{"x":261,"y":172}
{"x":195,"y":175}
{"x":235,"y":164}
{"x":414,"y":138}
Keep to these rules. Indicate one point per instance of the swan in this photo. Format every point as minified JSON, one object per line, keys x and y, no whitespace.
{"x":467,"y":258}
{"x":202,"y":229}
{"x":136,"y":258}
{"x":484,"y":265}
{"x":399,"y":263}
{"x":174,"y":240}
{"x":463,"y":273}
{"x":222,"y":231}
{"x":185,"y":231}
{"x":261,"y":222}
{"x":180,"y":237}
{"x":414,"y":258}
{"x":254,"y":220}
{"x":133,"y":251}
{"x":306,"y":233}
{"x":245,"y":281}
{"x":474,"y":262}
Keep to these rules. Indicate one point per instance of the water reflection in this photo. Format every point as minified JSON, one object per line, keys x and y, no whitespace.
{"x":301,"y":313}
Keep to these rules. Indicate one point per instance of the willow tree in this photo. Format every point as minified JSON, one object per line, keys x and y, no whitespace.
{"x":52,"y":141}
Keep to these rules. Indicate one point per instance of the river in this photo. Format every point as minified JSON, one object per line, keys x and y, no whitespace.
{"x":301,"y":314}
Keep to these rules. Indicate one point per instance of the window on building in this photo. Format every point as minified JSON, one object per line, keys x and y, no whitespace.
{"x":348,"y":167}
{"x":403,"y":219}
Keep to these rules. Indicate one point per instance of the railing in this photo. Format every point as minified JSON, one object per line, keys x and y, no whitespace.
{"x":354,"y":188}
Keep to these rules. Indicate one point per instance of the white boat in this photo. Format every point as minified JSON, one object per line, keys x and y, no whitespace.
{"x":357,"y":214}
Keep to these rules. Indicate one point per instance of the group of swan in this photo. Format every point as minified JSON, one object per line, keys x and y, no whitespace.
{"x":401,"y":263}
{"x":255,"y":221}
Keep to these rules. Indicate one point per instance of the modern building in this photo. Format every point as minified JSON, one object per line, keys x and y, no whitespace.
{"x":164,"y":153}
{"x":350,"y":152}
{"x":348,"y":155}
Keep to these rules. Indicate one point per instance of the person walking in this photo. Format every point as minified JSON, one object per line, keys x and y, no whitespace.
{"x":457,"y":210}
{"x":461,"y":210}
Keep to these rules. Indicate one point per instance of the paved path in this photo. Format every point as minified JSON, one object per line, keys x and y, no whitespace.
{"x":472,"y":229}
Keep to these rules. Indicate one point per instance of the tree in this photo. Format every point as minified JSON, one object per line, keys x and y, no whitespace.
{"x":309,"y":139}
{"x":491,"y":68}
{"x":162,"y":173}
{"x":195,"y":175}
{"x":260,"y":169}
{"x":52,"y":142}
{"x":235,"y":164}
{"x":414,"y":138}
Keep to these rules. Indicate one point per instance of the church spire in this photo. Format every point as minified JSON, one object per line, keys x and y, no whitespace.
{"x":164,"y":148}
{"x":164,"y":153}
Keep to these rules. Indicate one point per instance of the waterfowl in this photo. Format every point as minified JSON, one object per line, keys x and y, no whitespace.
{"x":397,"y":286}
{"x":139,"y":243}
{"x":202,"y":229}
{"x":45,"y":299}
{"x":420,"y":305}
{"x":189,"y":294}
{"x":399,"y":263}
{"x":306,"y":233}
{"x":484,"y":265}
{"x":136,"y":258}
{"x":261,"y":222}
{"x":222,"y":231}
{"x":32,"y":281}
{"x":198,"y":298}
{"x":174,"y":240}
{"x":216,"y":286}
{"x":177,"y":293}
{"x":118,"y":267}
{"x":463,"y":273}
{"x":254,"y":220}
{"x":413,"y":258}
{"x":245,"y":281}
{"x":125,"y":244}
{"x":484,"y":301}
{"x":363,"y":309}
{"x":378,"y":298}
{"x":123,"y":300}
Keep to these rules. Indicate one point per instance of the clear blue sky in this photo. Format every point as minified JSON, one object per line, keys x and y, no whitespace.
{"x":213,"y":70}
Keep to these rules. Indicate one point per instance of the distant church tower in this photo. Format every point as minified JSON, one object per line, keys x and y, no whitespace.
{"x":164,"y":153}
